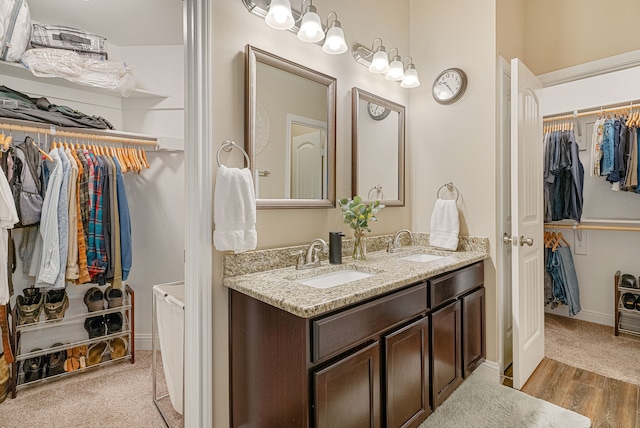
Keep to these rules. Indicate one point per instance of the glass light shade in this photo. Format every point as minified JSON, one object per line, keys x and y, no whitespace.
{"x":396,"y":70}
{"x":380,"y":61}
{"x":311,"y":27}
{"x":410,"y":79}
{"x":279,"y":16}
{"x":334,"y":42}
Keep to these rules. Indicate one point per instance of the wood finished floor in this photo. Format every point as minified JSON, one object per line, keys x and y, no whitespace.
{"x":607,"y":402}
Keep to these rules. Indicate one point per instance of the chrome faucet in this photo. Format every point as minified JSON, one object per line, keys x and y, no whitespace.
{"x":393,"y":245}
{"x":311,"y":259}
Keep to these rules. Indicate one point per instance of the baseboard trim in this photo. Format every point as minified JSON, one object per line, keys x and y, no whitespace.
{"x":489,"y":370}
{"x":590,"y":316}
{"x":143,"y":342}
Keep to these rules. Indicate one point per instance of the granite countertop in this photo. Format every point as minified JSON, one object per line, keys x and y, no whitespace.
{"x":279,"y":287}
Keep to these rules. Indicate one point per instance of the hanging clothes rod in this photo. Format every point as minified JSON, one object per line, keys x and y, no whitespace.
{"x":95,"y":135}
{"x":629,"y":106}
{"x":592,"y":227}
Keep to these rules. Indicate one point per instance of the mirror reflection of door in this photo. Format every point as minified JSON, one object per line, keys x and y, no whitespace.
{"x":307,"y":158}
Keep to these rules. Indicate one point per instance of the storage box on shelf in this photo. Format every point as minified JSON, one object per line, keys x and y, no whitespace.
{"x":48,"y":341}
{"x":627,"y":320}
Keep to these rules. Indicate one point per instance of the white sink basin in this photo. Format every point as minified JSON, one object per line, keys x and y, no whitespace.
{"x":333,"y":279}
{"x":422,"y":258}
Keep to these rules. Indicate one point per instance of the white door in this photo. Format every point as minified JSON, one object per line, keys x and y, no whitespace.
{"x":527,"y":223}
{"x":307,"y":164}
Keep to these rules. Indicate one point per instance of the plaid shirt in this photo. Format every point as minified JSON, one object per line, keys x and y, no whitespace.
{"x":84,"y":276}
{"x":96,"y":255}
{"x":83,"y":186}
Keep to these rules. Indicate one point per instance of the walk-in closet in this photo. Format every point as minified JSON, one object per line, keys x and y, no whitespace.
{"x":600,"y":112}
{"x":147,"y":139}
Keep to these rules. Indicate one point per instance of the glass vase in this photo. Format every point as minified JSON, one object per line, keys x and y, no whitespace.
{"x":359,"y":246}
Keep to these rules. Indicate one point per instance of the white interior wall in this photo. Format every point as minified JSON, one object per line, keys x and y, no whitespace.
{"x":156,"y":196}
{"x":607,"y":251}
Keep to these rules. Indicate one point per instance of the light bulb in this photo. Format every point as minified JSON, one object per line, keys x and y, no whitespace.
{"x":334,"y":42}
{"x":279,"y":16}
{"x":396,"y":70}
{"x":311,"y":27}
{"x":410,"y":77}
{"x":380,"y":61}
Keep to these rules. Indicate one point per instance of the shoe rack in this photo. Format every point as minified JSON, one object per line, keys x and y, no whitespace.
{"x":41,"y":340}
{"x":626,"y":320}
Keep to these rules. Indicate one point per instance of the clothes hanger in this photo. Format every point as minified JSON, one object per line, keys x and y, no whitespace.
{"x":550,"y":240}
{"x":144,"y":158}
{"x":559,"y":239}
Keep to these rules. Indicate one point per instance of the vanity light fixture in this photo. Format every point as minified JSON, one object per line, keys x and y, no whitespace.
{"x":280,"y":16}
{"x":311,"y":27}
{"x":377,"y":61}
{"x":410,"y":79}
{"x":396,"y":68}
{"x":334,"y":42}
{"x":380,"y":60}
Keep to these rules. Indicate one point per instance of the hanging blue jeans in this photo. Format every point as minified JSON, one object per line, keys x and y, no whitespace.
{"x":608,"y":148}
{"x":564,"y":270}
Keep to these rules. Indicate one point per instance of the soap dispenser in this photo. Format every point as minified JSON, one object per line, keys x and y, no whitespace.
{"x":335,"y":248}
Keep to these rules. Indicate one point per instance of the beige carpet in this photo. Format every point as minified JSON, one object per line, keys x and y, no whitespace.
{"x":592,"y":347}
{"x":118,"y":395}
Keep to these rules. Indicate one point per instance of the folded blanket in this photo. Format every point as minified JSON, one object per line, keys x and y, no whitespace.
{"x":234,"y":210}
{"x":445,"y":225}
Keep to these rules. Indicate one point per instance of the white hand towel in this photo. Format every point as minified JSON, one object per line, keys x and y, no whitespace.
{"x":234,"y":210}
{"x":445,"y":225}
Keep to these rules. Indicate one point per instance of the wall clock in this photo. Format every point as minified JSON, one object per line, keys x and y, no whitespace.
{"x":449,"y":86}
{"x":377,"y":112}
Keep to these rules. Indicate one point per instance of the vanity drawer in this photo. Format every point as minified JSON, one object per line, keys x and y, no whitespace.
{"x":338,"y":332}
{"x":454,"y":284}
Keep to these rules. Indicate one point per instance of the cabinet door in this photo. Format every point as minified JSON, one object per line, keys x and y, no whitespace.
{"x":347,"y":393}
{"x":473,"y":331}
{"x":446,"y":364}
{"x":407,"y":375}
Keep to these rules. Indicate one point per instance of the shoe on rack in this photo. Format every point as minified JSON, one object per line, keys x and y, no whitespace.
{"x":32,"y":367}
{"x":628,"y":281}
{"x":95,"y":326}
{"x":56,"y":304}
{"x":75,"y":358}
{"x":93,"y":298}
{"x":113,"y":296}
{"x":29,"y":306}
{"x":118,"y":347}
{"x":4,"y":378}
{"x":629,"y":301}
{"x":55,"y":362}
{"x":113,"y":322}
{"x":96,"y":353}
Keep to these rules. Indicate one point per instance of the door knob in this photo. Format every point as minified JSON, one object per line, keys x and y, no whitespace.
{"x":509,"y":240}
{"x":528,"y":241}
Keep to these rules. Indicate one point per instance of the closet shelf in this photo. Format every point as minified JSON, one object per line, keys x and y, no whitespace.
{"x":52,"y":349}
{"x":22,"y":385}
{"x":74,"y":314}
{"x":17,"y":70}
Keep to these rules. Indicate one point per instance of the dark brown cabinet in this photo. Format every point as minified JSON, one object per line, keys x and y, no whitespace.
{"x":347,"y":393}
{"x":446,"y":344}
{"x":473,"y":331}
{"x":385,"y":362}
{"x":407,"y":375}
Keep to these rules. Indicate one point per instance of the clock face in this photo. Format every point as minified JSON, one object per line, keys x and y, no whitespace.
{"x":378,"y":112}
{"x":449,"y":86}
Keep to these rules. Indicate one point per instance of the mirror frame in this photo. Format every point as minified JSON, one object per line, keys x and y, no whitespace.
{"x":255,"y":56}
{"x":357,"y":95}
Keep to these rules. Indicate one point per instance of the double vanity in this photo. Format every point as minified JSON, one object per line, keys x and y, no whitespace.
{"x":372,"y":343}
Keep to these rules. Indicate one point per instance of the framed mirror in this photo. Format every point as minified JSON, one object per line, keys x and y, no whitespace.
{"x":377,"y":148}
{"x":290,"y":132}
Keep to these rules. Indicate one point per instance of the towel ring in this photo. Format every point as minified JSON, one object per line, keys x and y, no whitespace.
{"x":449,"y":186}
{"x":378,"y":189}
{"x":227,"y":146}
